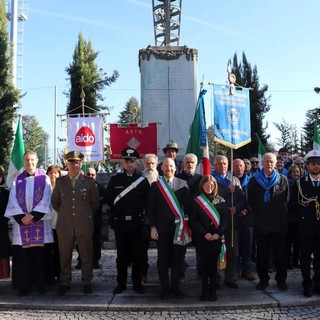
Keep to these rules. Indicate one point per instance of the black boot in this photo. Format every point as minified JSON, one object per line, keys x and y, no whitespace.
{"x":212,"y":296}
{"x":204,"y":294}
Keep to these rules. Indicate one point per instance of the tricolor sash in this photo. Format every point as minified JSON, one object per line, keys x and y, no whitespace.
{"x":207,"y":206}
{"x":210,"y":210}
{"x":182,"y":235}
{"x":31,"y":235}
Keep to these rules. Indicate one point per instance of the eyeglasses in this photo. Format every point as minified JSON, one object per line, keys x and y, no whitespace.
{"x":254,"y":161}
{"x":129,"y":160}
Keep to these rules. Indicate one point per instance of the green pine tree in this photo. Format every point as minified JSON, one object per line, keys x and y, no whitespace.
{"x":131,"y":113}
{"x":35,"y":139}
{"x":84,"y":74}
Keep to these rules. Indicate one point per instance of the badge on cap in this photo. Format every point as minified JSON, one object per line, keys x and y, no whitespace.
{"x":129,"y":154}
{"x":312,"y":156}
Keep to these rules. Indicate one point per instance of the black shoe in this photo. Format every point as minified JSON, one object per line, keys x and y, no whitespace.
{"x":212,"y":295}
{"x":261,"y":285}
{"x":204,"y":296}
{"x":164,"y":293}
{"x":22,"y":292}
{"x":41,"y":291}
{"x":231,"y":284}
{"x":119,"y":288}
{"x":316,"y":289}
{"x":139,"y":289}
{"x":177,"y":292}
{"x":78,"y":266}
{"x":307,"y":292}
{"x":87,"y":289}
{"x":96,"y":265}
{"x":282,"y":286}
{"x":62,"y":290}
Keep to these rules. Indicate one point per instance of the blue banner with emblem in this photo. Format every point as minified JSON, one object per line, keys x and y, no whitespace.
{"x":232,"y":126}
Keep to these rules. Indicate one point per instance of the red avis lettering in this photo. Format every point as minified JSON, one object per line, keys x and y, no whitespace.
{"x":85,"y":137}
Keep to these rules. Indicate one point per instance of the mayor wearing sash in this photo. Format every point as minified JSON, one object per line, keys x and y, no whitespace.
{"x":208,"y":220}
{"x":126,"y":195}
{"x":268,"y":196}
{"x":168,"y":204}
{"x":29,"y":210}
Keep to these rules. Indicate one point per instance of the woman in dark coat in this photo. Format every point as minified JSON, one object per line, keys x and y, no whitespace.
{"x":208,"y":220}
{"x":5,"y":247}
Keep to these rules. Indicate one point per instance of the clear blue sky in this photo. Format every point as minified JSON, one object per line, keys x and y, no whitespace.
{"x":280,"y":37}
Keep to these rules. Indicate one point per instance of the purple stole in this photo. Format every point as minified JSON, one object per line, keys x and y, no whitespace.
{"x":32,"y":235}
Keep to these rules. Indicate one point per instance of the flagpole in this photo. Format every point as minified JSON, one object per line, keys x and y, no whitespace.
{"x":232,"y":220}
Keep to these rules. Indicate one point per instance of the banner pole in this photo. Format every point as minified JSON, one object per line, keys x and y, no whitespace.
{"x":232,"y":220}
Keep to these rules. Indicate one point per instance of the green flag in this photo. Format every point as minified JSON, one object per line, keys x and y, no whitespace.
{"x":16,"y":160}
{"x":261,"y":150}
{"x":316,"y":138}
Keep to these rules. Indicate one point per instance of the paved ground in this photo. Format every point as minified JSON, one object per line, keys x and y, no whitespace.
{"x":242,"y":303}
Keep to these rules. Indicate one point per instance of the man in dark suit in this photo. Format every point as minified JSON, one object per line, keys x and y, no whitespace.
{"x":75,"y":197}
{"x":190,"y":175}
{"x":268,"y":196}
{"x":229,"y":188}
{"x":304,"y":203}
{"x":168,"y":200}
{"x":192,"y":178}
{"x":126,"y":195}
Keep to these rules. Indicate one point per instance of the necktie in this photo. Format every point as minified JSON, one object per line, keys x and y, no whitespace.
{"x":315,"y":183}
{"x":73,"y":182}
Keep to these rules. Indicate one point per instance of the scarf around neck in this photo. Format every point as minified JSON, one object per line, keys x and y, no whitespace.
{"x":222,"y":180}
{"x":267,"y":184}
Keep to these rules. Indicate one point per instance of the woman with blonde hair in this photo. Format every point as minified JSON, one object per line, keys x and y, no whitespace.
{"x":208,"y":220}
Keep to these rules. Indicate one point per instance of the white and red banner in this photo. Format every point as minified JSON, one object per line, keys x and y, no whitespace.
{"x":143,"y":140}
{"x":85,"y":134}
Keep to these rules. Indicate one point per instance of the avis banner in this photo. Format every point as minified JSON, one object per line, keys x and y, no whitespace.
{"x":232,"y":126}
{"x":85,"y":134}
{"x":143,"y":140}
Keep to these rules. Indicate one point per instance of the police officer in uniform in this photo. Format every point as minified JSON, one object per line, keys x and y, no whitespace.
{"x":75,"y":197}
{"x":126,"y":195}
{"x":304,"y":203}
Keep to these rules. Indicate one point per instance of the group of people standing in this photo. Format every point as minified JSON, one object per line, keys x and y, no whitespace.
{"x":228,"y":216}
{"x":49,"y":213}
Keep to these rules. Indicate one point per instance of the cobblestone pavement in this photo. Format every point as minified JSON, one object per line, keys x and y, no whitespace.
{"x":237,"y":314}
{"x":243,"y":303}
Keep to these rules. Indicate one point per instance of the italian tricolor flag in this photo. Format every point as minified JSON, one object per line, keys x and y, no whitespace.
{"x":261,"y":151}
{"x":316,"y":138}
{"x":16,"y":160}
{"x":198,"y":143}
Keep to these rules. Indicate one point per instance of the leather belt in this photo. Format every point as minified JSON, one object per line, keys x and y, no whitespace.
{"x":128,"y":218}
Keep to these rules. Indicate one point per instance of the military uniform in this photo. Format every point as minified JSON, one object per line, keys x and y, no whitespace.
{"x":127,"y":215}
{"x":304,"y":204}
{"x":75,"y":206}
